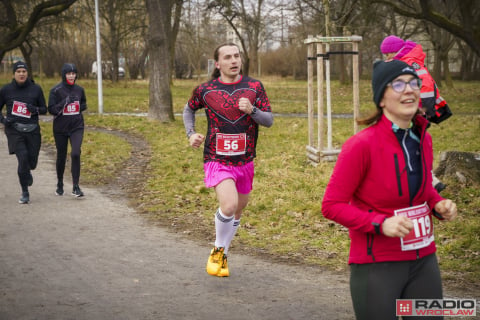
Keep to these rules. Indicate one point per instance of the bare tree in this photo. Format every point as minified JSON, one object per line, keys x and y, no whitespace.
{"x":17,"y":21}
{"x":247,"y":19}
{"x":195,"y":42}
{"x":73,"y":41}
{"x":123,"y":20}
{"x":464,"y":24}
{"x":443,"y":42}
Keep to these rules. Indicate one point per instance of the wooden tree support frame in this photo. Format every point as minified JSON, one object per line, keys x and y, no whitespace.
{"x":318,"y":50}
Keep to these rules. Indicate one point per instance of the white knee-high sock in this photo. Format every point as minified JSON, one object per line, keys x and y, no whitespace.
{"x":233,"y":232}
{"x":223,"y":228}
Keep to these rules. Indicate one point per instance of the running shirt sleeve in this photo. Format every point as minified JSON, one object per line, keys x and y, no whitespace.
{"x":55,"y":103}
{"x":189,"y":120}
{"x":263,"y":118}
{"x":83,"y":101}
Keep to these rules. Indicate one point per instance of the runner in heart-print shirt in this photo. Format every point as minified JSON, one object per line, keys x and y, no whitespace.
{"x":220,"y":101}
{"x":235,"y":106}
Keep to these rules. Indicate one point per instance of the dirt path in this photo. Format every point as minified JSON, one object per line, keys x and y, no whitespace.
{"x":94,"y":258}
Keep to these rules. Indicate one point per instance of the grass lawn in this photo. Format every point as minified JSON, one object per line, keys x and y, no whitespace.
{"x":284,"y":217}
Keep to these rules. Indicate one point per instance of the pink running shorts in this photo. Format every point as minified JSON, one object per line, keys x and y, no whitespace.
{"x":216,"y":172}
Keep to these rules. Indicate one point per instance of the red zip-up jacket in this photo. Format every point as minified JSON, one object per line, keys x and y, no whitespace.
{"x":369,"y":182}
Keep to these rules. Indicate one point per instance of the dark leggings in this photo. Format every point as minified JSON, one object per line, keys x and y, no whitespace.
{"x":61,"y":142}
{"x":376,"y":286}
{"x":27,"y":149}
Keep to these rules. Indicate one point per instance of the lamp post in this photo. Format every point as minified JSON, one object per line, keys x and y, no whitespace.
{"x":99,"y":61}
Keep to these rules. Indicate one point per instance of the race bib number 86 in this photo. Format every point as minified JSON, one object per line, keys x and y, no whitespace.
{"x":20,"y":109}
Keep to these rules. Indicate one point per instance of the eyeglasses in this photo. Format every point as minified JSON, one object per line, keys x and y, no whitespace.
{"x":400,"y":85}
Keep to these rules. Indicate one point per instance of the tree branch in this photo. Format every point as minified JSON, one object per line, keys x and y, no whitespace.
{"x":15,"y":34}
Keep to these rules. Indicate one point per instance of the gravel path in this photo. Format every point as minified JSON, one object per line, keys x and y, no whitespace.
{"x":95,"y":258}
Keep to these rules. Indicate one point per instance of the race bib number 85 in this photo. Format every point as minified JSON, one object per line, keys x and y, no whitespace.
{"x":231,"y":144}
{"x":72,"y":109}
{"x":422,"y":233}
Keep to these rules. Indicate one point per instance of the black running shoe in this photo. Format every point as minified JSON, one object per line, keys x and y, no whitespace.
{"x":59,"y":191}
{"x":25,"y":198}
{"x":76,"y":191}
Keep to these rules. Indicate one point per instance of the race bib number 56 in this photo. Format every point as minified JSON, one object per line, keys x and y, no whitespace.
{"x":422,"y":233}
{"x":20,"y":109}
{"x":231,"y":144}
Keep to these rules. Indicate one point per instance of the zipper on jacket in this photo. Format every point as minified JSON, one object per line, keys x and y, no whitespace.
{"x":370,"y":245}
{"x":424,"y":162}
{"x":398,"y":174}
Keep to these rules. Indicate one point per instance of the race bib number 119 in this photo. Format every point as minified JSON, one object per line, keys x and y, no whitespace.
{"x":422,"y":233}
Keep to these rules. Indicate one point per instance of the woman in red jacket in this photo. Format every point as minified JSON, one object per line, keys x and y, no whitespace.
{"x":381,"y":190}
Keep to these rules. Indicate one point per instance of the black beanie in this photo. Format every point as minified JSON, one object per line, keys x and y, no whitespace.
{"x":384,"y":72}
{"x":18,"y":65}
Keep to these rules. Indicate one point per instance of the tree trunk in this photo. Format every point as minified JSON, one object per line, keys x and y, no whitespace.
{"x":27,"y":55}
{"x":160,"y":103}
{"x":174,"y":33}
{"x":436,"y":72}
{"x":446,"y":72}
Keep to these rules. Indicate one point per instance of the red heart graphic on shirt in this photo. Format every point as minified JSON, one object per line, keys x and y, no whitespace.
{"x":225,"y":105}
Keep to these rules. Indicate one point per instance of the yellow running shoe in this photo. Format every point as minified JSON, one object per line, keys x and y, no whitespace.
{"x":215,"y":261}
{"x":224,"y":269}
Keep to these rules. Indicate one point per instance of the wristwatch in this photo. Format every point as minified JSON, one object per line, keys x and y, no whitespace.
{"x":254,"y":110}
{"x":190,"y":133}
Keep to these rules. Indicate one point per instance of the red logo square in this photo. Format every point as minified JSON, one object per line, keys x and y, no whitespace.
{"x":404,"y":308}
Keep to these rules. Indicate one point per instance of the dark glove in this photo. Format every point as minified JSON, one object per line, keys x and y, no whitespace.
{"x":6,"y":122}
{"x":33,"y":109}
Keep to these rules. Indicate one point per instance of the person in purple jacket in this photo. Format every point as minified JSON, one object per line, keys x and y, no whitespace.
{"x":381,"y":190}
{"x":67,"y":101}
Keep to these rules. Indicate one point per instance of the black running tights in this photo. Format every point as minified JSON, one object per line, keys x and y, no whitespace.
{"x":61,"y":142}
{"x":27,"y":148}
{"x":376,"y":286}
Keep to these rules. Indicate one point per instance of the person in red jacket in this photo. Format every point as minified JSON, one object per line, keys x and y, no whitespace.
{"x":381,"y":190}
{"x":435,"y":108}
